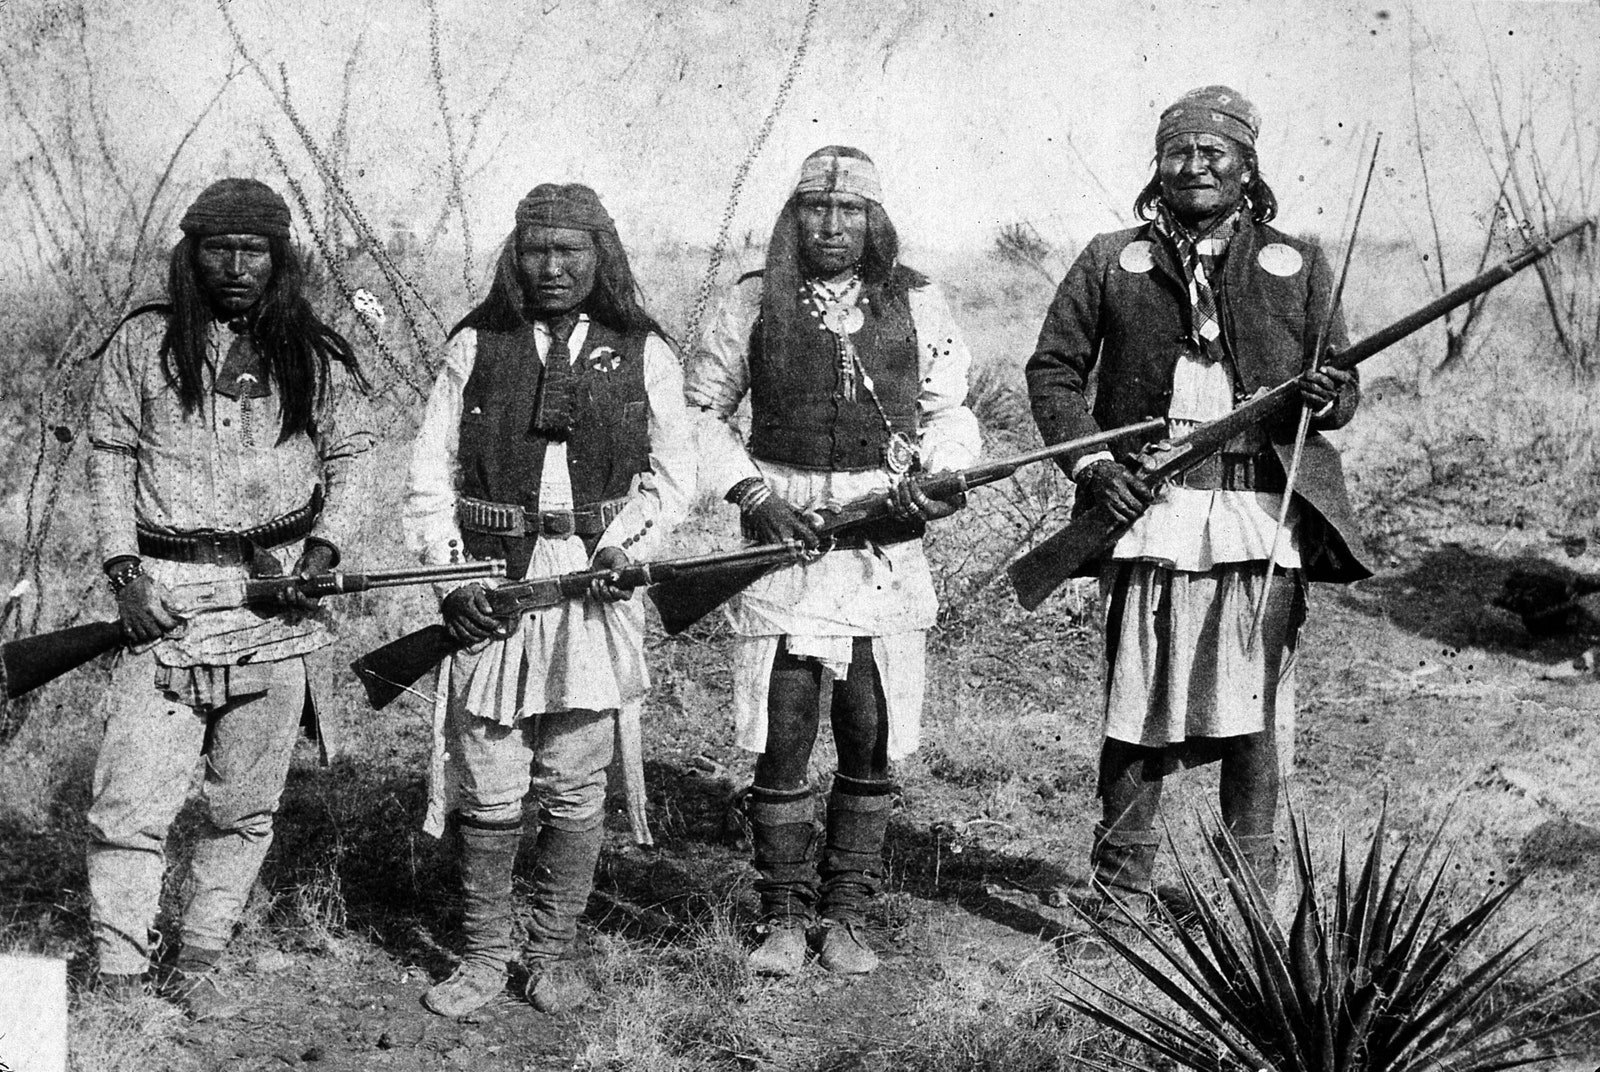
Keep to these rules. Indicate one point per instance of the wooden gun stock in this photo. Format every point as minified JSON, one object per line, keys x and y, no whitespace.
{"x":33,"y":661}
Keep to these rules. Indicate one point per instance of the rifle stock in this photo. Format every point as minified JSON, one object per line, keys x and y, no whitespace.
{"x":684,"y":602}
{"x":32,"y":661}
{"x":388,"y":671}
{"x":1046,"y":566}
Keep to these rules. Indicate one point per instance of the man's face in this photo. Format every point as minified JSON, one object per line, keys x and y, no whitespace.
{"x":234,"y":271}
{"x":558,"y":267}
{"x":833,"y":232}
{"x":1202,"y":177}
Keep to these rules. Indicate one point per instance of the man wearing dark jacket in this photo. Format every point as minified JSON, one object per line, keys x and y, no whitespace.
{"x":1184,"y":316}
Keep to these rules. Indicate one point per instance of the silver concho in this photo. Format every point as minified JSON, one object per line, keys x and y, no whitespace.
{"x":1280,"y":260}
{"x":899,"y":453}
{"x":1137,"y":257}
{"x":604,"y":359}
{"x":843,"y":319}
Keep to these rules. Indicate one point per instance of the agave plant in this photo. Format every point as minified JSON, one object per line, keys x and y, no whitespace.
{"x":1375,"y":981}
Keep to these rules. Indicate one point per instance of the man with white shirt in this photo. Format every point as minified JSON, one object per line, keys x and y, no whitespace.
{"x":555,"y":438}
{"x":857,"y":376}
{"x":1183,"y":316}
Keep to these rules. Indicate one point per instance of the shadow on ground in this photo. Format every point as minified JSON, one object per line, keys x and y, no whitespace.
{"x":1446,"y":595}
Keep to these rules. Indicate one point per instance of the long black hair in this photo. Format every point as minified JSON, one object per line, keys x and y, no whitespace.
{"x":1257,"y":194}
{"x":296,"y":346}
{"x":614,"y":300}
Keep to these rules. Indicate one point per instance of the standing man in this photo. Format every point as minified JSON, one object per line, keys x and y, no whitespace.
{"x":857,"y":377}
{"x":555,"y":438}
{"x":230,"y":436}
{"x":1186,"y":315}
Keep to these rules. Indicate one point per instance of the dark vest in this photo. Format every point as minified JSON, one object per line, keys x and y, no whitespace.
{"x":797,"y":419}
{"x":500,"y":458}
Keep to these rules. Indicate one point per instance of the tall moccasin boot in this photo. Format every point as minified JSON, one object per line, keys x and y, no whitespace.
{"x":488,"y":857}
{"x":1122,"y":862}
{"x":784,"y":833}
{"x":194,"y":985}
{"x":852,"y":870}
{"x":563,"y":878}
{"x":1257,"y":854}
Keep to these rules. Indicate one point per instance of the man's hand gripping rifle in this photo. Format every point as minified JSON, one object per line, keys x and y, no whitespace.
{"x":388,"y":671}
{"x":684,"y":602}
{"x":1042,"y":570}
{"x":32,"y":661}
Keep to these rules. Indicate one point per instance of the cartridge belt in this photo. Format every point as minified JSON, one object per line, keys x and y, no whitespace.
{"x":509,"y":519}
{"x":221,"y":547}
{"x":1236,"y":472}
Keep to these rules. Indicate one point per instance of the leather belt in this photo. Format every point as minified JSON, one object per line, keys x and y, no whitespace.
{"x":221,"y":547}
{"x":1236,"y":472}
{"x":509,"y":519}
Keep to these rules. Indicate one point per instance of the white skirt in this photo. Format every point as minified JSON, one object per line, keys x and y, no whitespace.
{"x":1179,"y":663}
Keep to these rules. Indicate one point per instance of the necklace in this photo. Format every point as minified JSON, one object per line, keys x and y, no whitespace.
{"x":836,"y":308}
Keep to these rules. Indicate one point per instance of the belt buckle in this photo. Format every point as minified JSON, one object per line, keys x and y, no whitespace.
{"x":557,"y":522}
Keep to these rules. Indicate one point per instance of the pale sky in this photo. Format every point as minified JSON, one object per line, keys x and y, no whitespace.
{"x":979,"y":115}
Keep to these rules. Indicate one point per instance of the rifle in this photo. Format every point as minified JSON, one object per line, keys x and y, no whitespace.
{"x":388,"y":671}
{"x":1043,"y":569}
{"x":32,"y":661}
{"x":681,"y":604}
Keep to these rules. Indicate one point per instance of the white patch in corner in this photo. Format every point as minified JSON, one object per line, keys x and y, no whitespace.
{"x":1279,"y":259}
{"x":1137,"y":257}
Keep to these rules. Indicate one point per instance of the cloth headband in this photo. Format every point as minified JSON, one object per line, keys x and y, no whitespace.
{"x":840,"y":174}
{"x":236,"y":206}
{"x":572,"y":206}
{"x":1211,"y":110}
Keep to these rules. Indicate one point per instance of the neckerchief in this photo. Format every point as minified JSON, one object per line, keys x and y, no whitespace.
{"x":552,"y":414}
{"x":1201,"y":258}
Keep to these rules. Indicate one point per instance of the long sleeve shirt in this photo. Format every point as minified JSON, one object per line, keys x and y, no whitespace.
{"x":220,"y":468}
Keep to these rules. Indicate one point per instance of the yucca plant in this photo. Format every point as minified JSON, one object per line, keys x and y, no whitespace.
{"x":1375,"y":981}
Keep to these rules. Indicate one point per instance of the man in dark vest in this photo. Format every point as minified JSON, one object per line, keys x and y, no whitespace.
{"x":1184,"y":316}
{"x":856,"y":375}
{"x":555,"y":438}
{"x":231,"y":438}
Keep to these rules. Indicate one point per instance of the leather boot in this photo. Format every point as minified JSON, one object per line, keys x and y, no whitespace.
{"x":783,"y":833}
{"x":194,"y":987}
{"x":488,"y":856}
{"x":563,"y":878}
{"x":1258,"y":854}
{"x":852,"y":870}
{"x":1122,"y":861}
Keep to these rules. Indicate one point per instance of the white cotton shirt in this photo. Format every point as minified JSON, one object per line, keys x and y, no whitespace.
{"x":1196,"y":529}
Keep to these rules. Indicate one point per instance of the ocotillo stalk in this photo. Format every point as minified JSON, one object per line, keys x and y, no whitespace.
{"x":1304,"y":427}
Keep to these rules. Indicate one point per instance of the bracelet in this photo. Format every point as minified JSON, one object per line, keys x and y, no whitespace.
{"x":125,"y":575}
{"x":749,"y":493}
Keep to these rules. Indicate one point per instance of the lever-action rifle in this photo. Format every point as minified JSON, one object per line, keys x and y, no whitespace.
{"x":1042,"y":570}
{"x":388,"y":671}
{"x":32,"y":661}
{"x":682,"y":603}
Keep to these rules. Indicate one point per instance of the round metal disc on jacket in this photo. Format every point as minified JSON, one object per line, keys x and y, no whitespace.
{"x":1137,"y":257}
{"x":843,"y":319}
{"x":899,"y":454}
{"x":1279,"y":259}
{"x":604,"y":359}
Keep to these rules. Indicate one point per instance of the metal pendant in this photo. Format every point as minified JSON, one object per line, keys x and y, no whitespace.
{"x":843,"y":320}
{"x":899,"y":453}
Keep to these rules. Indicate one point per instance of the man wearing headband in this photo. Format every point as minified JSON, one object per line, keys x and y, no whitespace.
{"x":230,"y":438}
{"x":857,"y":377}
{"x":555,"y":438}
{"x":1186,"y":315}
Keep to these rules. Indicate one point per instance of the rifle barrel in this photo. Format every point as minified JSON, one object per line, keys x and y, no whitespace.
{"x":989,"y":472}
